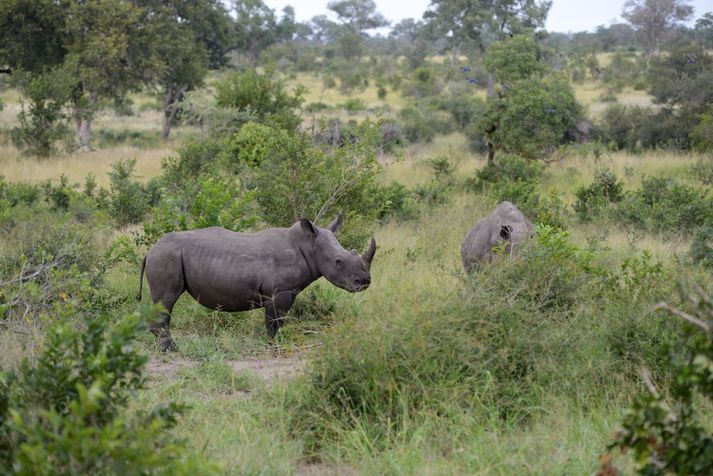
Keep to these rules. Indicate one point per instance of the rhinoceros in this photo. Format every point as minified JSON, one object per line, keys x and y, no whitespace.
{"x":505,"y":223}
{"x":230,"y":271}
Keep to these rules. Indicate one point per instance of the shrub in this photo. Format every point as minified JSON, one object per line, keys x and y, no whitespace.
{"x":663,"y":204}
{"x":703,"y":170}
{"x":417,"y":124}
{"x":298,"y":180}
{"x":663,"y":429}
{"x":703,"y":132}
{"x":249,"y":145}
{"x":41,"y":124}
{"x":423,"y":83}
{"x":65,"y":413}
{"x":353,"y":105}
{"x":507,"y":168}
{"x":129,"y":201}
{"x":701,"y":250}
{"x":261,"y":95}
{"x":605,"y":189}
{"x":208,"y":200}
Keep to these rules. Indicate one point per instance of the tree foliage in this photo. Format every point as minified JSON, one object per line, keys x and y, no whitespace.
{"x":652,"y":19}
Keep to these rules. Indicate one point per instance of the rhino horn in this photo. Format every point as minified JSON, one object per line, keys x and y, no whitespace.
{"x":369,"y":254}
{"x":336,"y":223}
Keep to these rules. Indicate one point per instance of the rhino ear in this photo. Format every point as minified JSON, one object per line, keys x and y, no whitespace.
{"x":505,"y":231}
{"x":336,"y":223}
{"x":308,"y":227}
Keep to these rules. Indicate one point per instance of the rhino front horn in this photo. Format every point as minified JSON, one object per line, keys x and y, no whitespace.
{"x":369,"y":254}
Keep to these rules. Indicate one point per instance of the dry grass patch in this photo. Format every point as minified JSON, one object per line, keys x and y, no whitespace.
{"x":77,"y":166}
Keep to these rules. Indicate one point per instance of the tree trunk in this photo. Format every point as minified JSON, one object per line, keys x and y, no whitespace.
{"x":491,"y":85}
{"x":173,"y":95}
{"x":83,"y":117}
{"x":84,"y":135}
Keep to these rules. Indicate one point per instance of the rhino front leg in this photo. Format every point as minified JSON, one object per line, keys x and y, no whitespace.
{"x":275,"y":310}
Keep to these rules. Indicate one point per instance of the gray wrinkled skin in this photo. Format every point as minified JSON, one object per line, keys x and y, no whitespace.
{"x":505,"y":223}
{"x":231,"y":271}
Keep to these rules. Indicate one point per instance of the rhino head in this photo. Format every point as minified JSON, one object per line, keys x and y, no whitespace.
{"x":345,"y":269}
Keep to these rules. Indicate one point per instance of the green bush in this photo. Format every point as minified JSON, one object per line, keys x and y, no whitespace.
{"x":531,"y":117}
{"x":605,"y":189}
{"x":298,"y":180}
{"x":129,"y":200}
{"x":139,"y":139}
{"x":261,"y":95}
{"x":703,"y":170}
{"x":418,"y":124}
{"x":249,"y":145}
{"x":703,"y":132}
{"x":663,"y":204}
{"x":205,"y":201}
{"x":41,"y":124}
{"x":507,"y":168}
{"x":353,"y":105}
{"x":65,"y":412}
{"x":701,"y":250}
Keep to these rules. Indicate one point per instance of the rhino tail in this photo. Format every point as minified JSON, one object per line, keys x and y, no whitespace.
{"x":141,"y":278}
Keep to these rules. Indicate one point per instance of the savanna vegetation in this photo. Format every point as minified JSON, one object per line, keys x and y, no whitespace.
{"x":587,"y":352}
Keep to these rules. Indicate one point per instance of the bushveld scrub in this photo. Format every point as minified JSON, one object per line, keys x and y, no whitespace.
{"x":524,"y":366}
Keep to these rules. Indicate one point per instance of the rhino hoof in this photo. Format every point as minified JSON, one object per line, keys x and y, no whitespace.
{"x":167,"y":345}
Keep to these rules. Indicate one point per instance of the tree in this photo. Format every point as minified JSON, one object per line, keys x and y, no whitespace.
{"x":257,"y":27}
{"x":194,"y":36}
{"x":355,"y":18}
{"x":532,"y":118}
{"x":653,"y":18}
{"x":514,"y":59}
{"x":32,"y":34}
{"x":475,"y":24}
{"x":704,"y":29}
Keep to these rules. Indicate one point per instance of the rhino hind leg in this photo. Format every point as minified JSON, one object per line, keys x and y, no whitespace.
{"x":275,"y":310}
{"x":167,"y":291}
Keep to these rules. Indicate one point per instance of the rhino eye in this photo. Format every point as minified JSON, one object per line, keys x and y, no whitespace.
{"x":338,"y":262}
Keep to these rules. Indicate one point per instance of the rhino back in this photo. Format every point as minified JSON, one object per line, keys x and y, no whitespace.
{"x":234,"y":271}
{"x":478,"y":242}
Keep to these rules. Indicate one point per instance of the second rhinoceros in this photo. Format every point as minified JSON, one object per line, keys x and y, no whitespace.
{"x":505,"y":224}
{"x":232,"y":271}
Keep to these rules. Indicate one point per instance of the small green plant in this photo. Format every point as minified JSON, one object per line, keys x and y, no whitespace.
{"x":353,"y":105}
{"x":129,"y":201}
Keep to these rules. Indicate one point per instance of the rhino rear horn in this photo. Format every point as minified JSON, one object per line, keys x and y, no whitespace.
{"x":369,"y":254}
{"x":336,"y":223}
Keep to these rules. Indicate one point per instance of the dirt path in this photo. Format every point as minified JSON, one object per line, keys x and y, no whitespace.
{"x":267,"y":369}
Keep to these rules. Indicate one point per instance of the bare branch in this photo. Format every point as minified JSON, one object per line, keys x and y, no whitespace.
{"x":646,"y":376}
{"x":685,"y":316}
